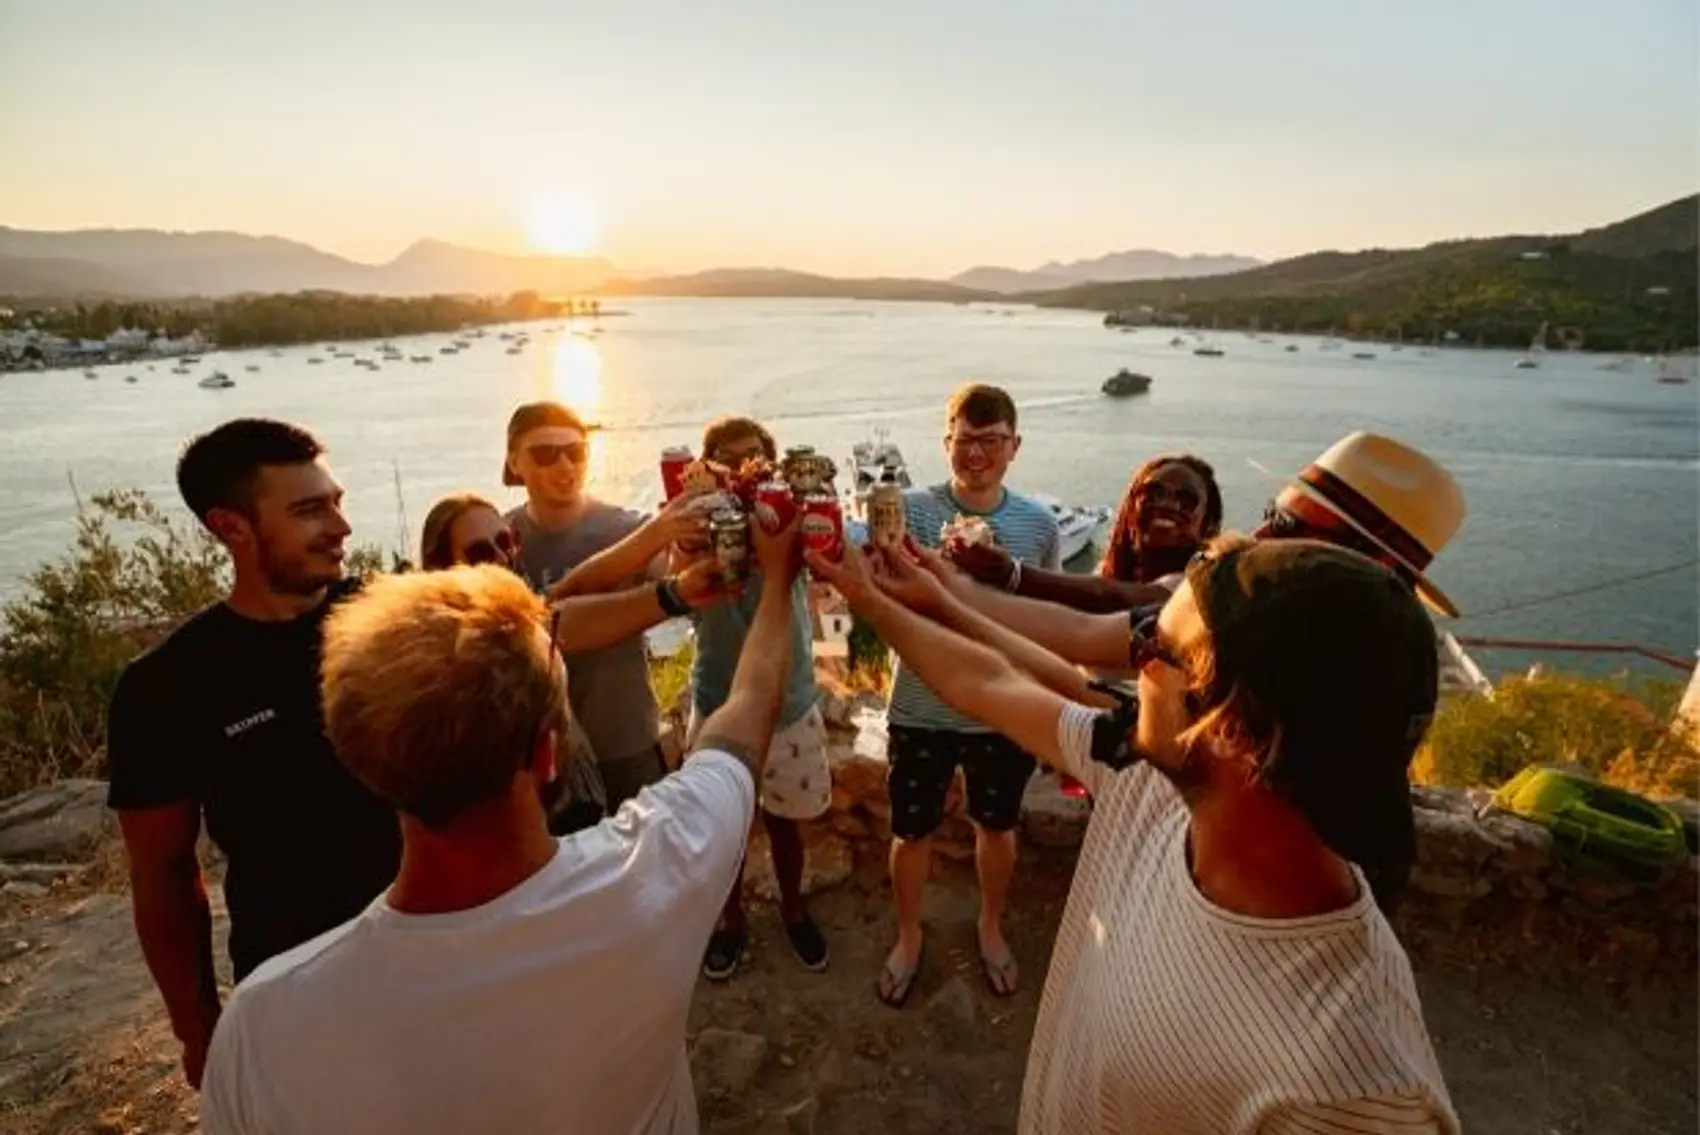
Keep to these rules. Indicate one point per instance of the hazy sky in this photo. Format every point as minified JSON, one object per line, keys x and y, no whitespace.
{"x":880,"y":136}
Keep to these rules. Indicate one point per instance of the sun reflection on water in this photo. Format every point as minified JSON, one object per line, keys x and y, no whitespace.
{"x":578,"y":376}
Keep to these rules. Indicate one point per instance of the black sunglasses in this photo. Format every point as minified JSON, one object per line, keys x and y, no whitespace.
{"x":494,"y":551}
{"x":1183,"y":498}
{"x":547,"y":455}
{"x":1143,"y":645}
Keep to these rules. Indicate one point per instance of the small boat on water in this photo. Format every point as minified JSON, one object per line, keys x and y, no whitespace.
{"x":217,"y":380}
{"x":421,"y":358}
{"x":1292,"y":347}
{"x":91,"y":374}
{"x":1670,"y":373}
{"x":1125,"y":383}
{"x":251,"y":369}
{"x":868,"y":460}
{"x":516,"y":350}
{"x":129,"y":378}
{"x":315,"y":360}
{"x":1536,"y":346}
{"x":1209,"y":352}
{"x":1177,"y":341}
{"x":1077,"y":526}
{"x":1365,"y":355}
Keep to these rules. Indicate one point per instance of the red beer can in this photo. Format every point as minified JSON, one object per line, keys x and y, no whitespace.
{"x":674,"y":460}
{"x":823,"y":524}
{"x":775,"y":497}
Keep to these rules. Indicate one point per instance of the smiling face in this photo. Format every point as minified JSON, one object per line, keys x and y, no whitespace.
{"x":1169,"y":508}
{"x":979,"y":455}
{"x":292,"y":532}
{"x":550,"y":461}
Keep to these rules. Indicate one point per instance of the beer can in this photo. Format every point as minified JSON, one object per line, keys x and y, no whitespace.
{"x":674,"y":460}
{"x":823,"y":524}
{"x":729,"y":532}
{"x":775,"y":505}
{"x":887,"y":520}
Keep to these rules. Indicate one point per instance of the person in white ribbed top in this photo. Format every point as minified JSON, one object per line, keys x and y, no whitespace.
{"x":1223,"y":963}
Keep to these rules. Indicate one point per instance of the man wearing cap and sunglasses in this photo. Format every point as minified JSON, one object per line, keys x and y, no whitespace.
{"x":559,"y":527}
{"x":1222,"y":964}
{"x":1372,"y":494}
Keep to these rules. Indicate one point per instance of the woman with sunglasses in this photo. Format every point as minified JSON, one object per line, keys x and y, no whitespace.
{"x":464,"y":528}
{"x":1224,"y":961}
{"x":1171,"y":508}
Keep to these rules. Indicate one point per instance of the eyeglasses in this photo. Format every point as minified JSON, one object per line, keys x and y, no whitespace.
{"x":1144,"y":646}
{"x":1183,"y":498}
{"x":547,"y":455}
{"x":985,"y":443}
{"x":497,"y":550}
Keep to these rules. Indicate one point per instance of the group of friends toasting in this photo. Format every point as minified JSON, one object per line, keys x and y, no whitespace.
{"x":469,"y":892}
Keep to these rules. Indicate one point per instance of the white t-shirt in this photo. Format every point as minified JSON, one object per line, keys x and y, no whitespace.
{"x":1166,"y":1014}
{"x":559,"y":1007}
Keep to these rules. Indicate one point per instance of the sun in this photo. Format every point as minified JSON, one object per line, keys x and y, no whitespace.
{"x":562,"y":226}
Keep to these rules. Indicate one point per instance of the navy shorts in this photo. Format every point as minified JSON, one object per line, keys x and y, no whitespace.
{"x":923,"y":761}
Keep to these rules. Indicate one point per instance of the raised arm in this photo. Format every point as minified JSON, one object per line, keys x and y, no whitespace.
{"x":968,"y":676}
{"x":640,"y":554}
{"x":1081,"y":638}
{"x":743,"y":725}
{"x":584,"y":623}
{"x":916,"y":577}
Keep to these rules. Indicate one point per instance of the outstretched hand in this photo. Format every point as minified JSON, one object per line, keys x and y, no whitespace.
{"x":912,"y":580}
{"x":701,"y":584}
{"x":684,"y":519}
{"x":851,"y":574}
{"x":986,"y":563}
{"x":777,"y":552}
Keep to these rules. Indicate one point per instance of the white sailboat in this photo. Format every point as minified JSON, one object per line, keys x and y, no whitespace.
{"x":1537,"y":346}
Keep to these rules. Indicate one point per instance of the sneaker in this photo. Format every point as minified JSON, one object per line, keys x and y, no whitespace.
{"x":807,"y":941}
{"x":725,"y":951}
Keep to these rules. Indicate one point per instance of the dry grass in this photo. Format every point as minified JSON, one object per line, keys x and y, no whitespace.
{"x":1615,"y":728}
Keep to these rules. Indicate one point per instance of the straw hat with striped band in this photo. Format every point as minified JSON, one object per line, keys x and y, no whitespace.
{"x":1397,"y":497}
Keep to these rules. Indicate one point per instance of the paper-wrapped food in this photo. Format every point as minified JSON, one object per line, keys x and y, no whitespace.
{"x":966,"y":531}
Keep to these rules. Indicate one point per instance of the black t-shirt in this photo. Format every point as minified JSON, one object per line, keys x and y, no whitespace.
{"x":225,"y":714}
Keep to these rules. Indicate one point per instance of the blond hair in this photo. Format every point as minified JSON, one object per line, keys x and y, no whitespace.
{"x":438,"y":685}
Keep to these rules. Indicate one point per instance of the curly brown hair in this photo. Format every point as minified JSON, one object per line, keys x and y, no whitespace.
{"x":1121,"y":559}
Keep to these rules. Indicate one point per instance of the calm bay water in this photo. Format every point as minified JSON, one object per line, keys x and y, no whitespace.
{"x":1574,"y":476}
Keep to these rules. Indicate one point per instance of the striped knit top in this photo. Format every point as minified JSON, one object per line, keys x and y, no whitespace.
{"x":1164,"y":1013}
{"x":1024,"y":527}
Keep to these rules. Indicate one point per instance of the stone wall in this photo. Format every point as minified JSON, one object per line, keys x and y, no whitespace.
{"x":1491,"y":885}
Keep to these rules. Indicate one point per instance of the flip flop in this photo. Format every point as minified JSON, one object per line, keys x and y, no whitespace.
{"x":896,"y":984}
{"x":1002,"y":975}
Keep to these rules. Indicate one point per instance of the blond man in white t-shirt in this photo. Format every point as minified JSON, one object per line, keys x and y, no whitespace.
{"x":1222,"y":966}
{"x":508,"y":981}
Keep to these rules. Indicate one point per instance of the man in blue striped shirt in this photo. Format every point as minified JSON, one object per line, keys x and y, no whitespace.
{"x":929,"y":741}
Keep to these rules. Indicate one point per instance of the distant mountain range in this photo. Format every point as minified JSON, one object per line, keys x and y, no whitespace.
{"x":1134,"y":264}
{"x":781,"y":282}
{"x":146,"y":263}
{"x":1624,"y":286}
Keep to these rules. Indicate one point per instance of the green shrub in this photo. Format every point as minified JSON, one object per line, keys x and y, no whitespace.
{"x":131,"y":575}
{"x":1615,"y":728}
{"x":66,"y":640}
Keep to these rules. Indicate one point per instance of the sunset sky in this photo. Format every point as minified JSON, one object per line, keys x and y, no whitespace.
{"x":885,"y":136}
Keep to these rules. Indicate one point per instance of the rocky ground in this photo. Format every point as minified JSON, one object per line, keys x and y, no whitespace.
{"x":84,"y":1046}
{"x":1557,"y":1005}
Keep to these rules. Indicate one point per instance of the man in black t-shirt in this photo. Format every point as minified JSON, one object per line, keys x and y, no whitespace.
{"x":221,"y":722}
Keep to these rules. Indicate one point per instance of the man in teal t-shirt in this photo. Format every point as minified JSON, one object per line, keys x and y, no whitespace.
{"x":928,"y":740}
{"x":797,"y":781}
